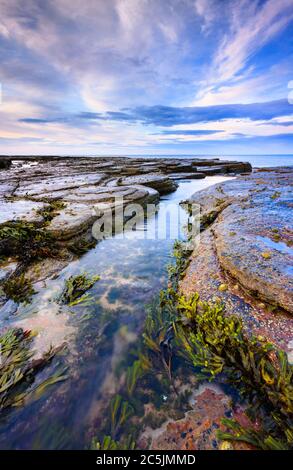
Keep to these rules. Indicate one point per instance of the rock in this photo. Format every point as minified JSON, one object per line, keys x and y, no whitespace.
{"x":83,"y":183}
{"x":232,"y":247}
{"x":191,"y":176}
{"x":40,"y":188}
{"x":5,"y":163}
{"x":163,"y":184}
{"x":24,"y":210}
{"x":74,"y":219}
{"x":77,"y":217}
{"x":198,"y":429}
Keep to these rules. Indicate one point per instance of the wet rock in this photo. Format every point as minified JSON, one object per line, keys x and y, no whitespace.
{"x":198,"y":429}
{"x":161,"y":183}
{"x":25,"y":210}
{"x":250,"y":212}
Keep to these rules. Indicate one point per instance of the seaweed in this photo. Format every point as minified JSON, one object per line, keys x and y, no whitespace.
{"x":133,"y":374}
{"x":52,"y":210}
{"x":259,"y":439}
{"x":217,"y":344}
{"x":107,"y":443}
{"x":120,"y":411}
{"x":76,"y":287}
{"x":19,"y":289}
{"x":80,"y":247}
{"x":275,"y":195}
{"x":27,"y":242}
{"x":188,"y":335}
{"x":18,"y":369}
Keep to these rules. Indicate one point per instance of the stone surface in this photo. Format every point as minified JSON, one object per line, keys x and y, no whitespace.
{"x":24,"y":210}
{"x":197,"y":430}
{"x":82,"y":183}
{"x":254,"y":217}
{"x":191,"y":176}
{"x":161,"y":183}
{"x":4,"y":163}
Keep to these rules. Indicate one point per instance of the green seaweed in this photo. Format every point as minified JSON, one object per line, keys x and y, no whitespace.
{"x":187,"y":335}
{"x":217,"y":344}
{"x":27,"y":242}
{"x":133,"y":373}
{"x":76,"y":287}
{"x":80,"y":247}
{"x":18,"y":288}
{"x":120,"y":411}
{"x":258,"y":439}
{"x":18,"y":370}
{"x":275,"y":195}
{"x":52,"y":210}
{"x":107,"y":443}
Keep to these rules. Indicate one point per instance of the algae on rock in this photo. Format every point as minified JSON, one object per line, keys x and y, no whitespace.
{"x":18,"y":369}
{"x":76,"y":287}
{"x":18,"y":288}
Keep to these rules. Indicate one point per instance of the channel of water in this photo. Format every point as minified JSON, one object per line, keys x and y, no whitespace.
{"x":99,"y":332}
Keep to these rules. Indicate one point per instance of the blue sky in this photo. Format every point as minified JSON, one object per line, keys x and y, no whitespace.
{"x":146,"y":76}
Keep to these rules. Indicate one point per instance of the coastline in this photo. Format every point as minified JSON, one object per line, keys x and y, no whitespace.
{"x":90,"y":183}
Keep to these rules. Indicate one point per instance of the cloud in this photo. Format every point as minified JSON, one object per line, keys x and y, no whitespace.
{"x":207,"y":10}
{"x":170,"y":116}
{"x":166,"y":116}
{"x":130,"y":73}
{"x":190,"y":132}
{"x":251,"y":26}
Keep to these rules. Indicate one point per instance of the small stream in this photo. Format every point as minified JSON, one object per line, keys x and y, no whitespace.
{"x":99,"y":332}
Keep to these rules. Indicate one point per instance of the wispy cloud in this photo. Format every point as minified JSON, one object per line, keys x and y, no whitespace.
{"x":251,"y":26}
{"x":171,"y":116}
{"x":130,"y":73}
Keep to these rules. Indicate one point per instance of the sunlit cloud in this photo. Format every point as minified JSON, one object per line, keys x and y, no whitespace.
{"x":84,"y":76}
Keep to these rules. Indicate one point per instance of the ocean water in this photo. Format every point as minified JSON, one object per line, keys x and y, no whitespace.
{"x":261,"y":161}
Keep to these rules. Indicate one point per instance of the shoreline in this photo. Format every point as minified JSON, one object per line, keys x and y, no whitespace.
{"x":164,"y":185}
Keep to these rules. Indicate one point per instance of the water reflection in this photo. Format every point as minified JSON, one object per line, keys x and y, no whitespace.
{"x":99,"y":332}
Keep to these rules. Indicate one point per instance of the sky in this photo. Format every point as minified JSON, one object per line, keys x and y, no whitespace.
{"x":146,"y":77}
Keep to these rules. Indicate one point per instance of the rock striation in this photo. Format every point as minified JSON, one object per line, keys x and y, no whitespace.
{"x":28,"y":183}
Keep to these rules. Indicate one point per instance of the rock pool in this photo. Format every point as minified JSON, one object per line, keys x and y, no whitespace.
{"x":99,"y":332}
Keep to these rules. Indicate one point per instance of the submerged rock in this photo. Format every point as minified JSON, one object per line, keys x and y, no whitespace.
{"x":198,"y":429}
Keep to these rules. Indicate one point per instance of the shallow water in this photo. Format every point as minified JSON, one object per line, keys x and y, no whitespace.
{"x":99,"y":332}
{"x":278,"y":246}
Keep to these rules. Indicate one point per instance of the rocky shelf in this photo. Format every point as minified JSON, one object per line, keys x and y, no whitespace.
{"x":245,"y":255}
{"x":63,"y":197}
{"x":28,"y":183}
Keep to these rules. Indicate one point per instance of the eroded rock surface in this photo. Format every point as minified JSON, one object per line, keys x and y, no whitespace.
{"x":66,"y":196}
{"x":198,"y":429}
{"x":245,"y":256}
{"x":28,"y":182}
